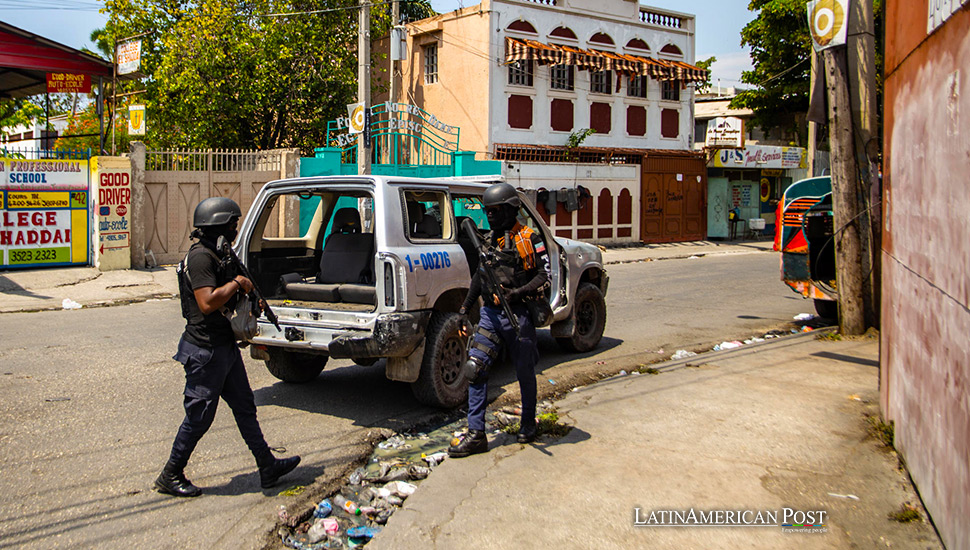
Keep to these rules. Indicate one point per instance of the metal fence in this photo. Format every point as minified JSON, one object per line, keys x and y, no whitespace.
{"x":213,"y":160}
{"x":45,"y":154}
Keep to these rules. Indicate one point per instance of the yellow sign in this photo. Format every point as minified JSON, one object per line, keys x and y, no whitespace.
{"x":38,"y":200}
{"x":136,"y":120}
{"x":356,"y":112}
{"x":828,"y":23}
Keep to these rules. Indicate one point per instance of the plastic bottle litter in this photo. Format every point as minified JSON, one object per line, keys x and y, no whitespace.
{"x":348,"y":506}
{"x":324,"y":509}
{"x":70,"y":304}
{"x":682,"y":354}
{"x":357,"y":477}
{"x":401,"y":489}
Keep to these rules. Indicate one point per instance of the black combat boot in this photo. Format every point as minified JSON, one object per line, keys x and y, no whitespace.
{"x":270,"y":473}
{"x":527,"y":434}
{"x":471,"y":443}
{"x":173,"y":482}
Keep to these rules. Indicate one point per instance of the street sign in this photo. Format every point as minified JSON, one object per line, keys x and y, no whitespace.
{"x":828,"y":23}
{"x":136,"y":120}
{"x":129,"y":57}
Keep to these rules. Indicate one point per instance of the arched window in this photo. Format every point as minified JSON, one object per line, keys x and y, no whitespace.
{"x":601,"y":38}
{"x":522,"y":26}
{"x":604,"y":216}
{"x":671,"y":49}
{"x":563,"y":32}
{"x":637,"y":44}
{"x":624,"y":211}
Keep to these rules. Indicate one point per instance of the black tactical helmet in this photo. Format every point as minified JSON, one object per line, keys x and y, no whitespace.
{"x":216,"y":211}
{"x":501,"y":193}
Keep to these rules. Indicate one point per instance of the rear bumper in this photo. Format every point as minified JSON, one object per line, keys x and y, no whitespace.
{"x":394,"y":335}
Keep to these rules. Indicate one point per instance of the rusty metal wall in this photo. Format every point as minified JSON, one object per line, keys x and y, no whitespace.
{"x":925,"y":342}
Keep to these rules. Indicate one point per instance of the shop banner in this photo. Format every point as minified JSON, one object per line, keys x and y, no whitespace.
{"x":44,"y":214}
{"x":60,"y":83}
{"x":761,"y":157}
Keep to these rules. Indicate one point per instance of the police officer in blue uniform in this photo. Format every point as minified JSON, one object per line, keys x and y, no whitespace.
{"x":522,"y":274}
{"x":213,"y":365}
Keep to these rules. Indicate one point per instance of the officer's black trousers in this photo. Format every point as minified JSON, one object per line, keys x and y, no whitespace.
{"x":209,"y":375}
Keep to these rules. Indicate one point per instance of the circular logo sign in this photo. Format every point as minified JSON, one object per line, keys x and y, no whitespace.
{"x":827,"y":20}
{"x":121,"y":210}
{"x":357,"y":119}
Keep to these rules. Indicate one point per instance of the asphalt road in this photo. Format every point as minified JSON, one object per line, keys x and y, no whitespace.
{"x":90,"y":401}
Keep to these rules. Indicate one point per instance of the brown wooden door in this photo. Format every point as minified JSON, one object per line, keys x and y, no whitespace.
{"x":673,"y":199}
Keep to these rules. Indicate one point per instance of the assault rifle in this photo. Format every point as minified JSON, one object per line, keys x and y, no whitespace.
{"x":488,"y":261}
{"x":223,"y":247}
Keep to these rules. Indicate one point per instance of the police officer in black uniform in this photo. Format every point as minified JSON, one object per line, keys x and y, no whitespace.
{"x":522,"y":274}
{"x":213,"y":365}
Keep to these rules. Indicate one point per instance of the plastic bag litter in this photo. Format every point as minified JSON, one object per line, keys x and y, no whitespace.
{"x":323,"y":509}
{"x":362,"y":532}
{"x":416,"y":472}
{"x":401,"y":489}
{"x":682,"y":354}
{"x":70,"y":304}
{"x":357,"y":477}
{"x":435,"y":458}
{"x":395,"y":442}
{"x":728,"y":345}
{"x":804,"y":317}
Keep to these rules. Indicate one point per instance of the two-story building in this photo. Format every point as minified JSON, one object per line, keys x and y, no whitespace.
{"x":525,"y":79}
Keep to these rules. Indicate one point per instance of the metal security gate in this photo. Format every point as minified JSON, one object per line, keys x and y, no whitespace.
{"x":176,"y":181}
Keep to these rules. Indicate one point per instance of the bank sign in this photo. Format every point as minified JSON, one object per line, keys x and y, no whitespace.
{"x":45,"y":212}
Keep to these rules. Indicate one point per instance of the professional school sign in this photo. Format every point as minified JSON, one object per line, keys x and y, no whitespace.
{"x":44,"y":212}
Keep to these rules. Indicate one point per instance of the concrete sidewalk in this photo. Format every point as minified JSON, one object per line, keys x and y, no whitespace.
{"x":44,"y":289}
{"x":765,"y":427}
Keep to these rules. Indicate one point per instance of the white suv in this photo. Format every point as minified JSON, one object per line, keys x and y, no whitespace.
{"x":370,"y":267}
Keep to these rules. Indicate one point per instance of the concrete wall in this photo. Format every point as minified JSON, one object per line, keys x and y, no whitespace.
{"x":925,"y":376}
{"x":595,"y":177}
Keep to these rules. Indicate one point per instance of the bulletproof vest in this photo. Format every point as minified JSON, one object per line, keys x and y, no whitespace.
{"x":186,"y":295}
{"x":507,"y":267}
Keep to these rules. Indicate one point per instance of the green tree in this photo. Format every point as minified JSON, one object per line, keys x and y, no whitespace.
{"x":780,"y":49}
{"x":229,"y":73}
{"x":706,"y":65}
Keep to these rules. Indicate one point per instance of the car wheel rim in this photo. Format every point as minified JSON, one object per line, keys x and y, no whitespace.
{"x":451,"y":356}
{"x":586,"y":318}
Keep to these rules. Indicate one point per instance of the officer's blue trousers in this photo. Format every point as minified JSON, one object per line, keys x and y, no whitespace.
{"x":524,"y":354}
{"x":209,"y":375}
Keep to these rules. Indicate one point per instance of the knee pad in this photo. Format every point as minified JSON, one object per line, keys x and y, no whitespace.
{"x":474,"y":370}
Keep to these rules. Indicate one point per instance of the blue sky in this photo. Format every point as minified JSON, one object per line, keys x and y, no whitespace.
{"x":719,"y":24}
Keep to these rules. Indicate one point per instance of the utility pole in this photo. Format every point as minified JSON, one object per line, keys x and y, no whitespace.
{"x":363,"y":87}
{"x":395,"y":18}
{"x":845,"y":196}
{"x":861,"y":48}
{"x":812,"y":126}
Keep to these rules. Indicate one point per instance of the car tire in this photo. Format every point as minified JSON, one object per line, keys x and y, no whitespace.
{"x":294,"y":366}
{"x":365,"y":361}
{"x":441,"y":383}
{"x":827,"y":309}
{"x":589,"y":315}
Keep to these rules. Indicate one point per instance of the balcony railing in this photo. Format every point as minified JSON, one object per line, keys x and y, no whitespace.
{"x":661,"y":19}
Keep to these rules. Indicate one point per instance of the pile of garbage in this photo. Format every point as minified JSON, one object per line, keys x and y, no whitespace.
{"x":355,"y":514}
